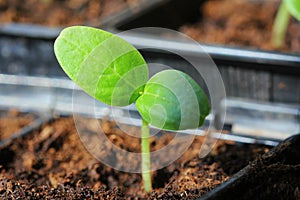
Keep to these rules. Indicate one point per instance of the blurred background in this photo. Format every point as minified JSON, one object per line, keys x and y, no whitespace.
{"x":262,"y":82}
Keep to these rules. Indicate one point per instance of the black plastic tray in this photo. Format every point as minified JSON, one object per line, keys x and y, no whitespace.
{"x":172,"y":14}
{"x":27,"y":49}
{"x":255,"y":74}
{"x":265,"y":77}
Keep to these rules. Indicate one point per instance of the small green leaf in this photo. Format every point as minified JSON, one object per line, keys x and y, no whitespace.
{"x":172,"y":100}
{"x":105,"y":66}
{"x":293,"y":7}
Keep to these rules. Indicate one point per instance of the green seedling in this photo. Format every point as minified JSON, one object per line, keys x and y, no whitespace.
{"x":286,"y":9}
{"x":112,"y":71}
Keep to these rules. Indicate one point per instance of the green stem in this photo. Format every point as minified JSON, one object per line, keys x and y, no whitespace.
{"x":280,"y":26}
{"x":146,"y":163}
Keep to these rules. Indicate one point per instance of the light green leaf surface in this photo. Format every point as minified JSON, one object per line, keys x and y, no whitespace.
{"x":172,"y":100}
{"x":114,"y":72}
{"x":105,"y":66}
{"x":293,"y":6}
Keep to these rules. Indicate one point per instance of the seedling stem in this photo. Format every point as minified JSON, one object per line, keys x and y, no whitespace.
{"x":146,"y":166}
{"x":114,"y":72}
{"x":280,"y":26}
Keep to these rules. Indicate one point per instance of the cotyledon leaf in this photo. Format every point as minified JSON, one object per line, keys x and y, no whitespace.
{"x":293,"y":6}
{"x":172,"y":100}
{"x":105,"y":66}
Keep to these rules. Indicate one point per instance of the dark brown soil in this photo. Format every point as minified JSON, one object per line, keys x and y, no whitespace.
{"x":12,"y":121}
{"x":274,"y":175}
{"x":52,"y":163}
{"x":60,"y":12}
{"x":241,"y":23}
{"x":280,"y":182}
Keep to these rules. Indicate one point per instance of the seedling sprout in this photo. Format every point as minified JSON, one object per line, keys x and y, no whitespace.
{"x":114,"y":72}
{"x":286,"y":9}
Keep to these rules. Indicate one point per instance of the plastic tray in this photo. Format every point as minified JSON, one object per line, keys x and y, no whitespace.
{"x":261,"y":75}
{"x":247,"y":121}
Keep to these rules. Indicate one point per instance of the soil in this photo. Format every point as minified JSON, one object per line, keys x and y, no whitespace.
{"x":61,"y":12}
{"x":241,"y":23}
{"x":280,"y":182}
{"x":12,"y":121}
{"x":52,"y":163}
{"x":274,"y":175}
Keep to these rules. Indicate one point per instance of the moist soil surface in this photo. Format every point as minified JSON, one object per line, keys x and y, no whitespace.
{"x":273,"y":181}
{"x":273,"y":175}
{"x":241,"y":23}
{"x":52,"y":163}
{"x":61,"y":12}
{"x":12,"y":121}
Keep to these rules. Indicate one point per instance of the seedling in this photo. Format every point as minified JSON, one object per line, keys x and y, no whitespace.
{"x":112,"y":71}
{"x":286,"y":9}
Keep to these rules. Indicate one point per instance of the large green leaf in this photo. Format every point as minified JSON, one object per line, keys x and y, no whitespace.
{"x":107,"y":67}
{"x":113,"y":71}
{"x":172,"y":100}
{"x":293,"y":7}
